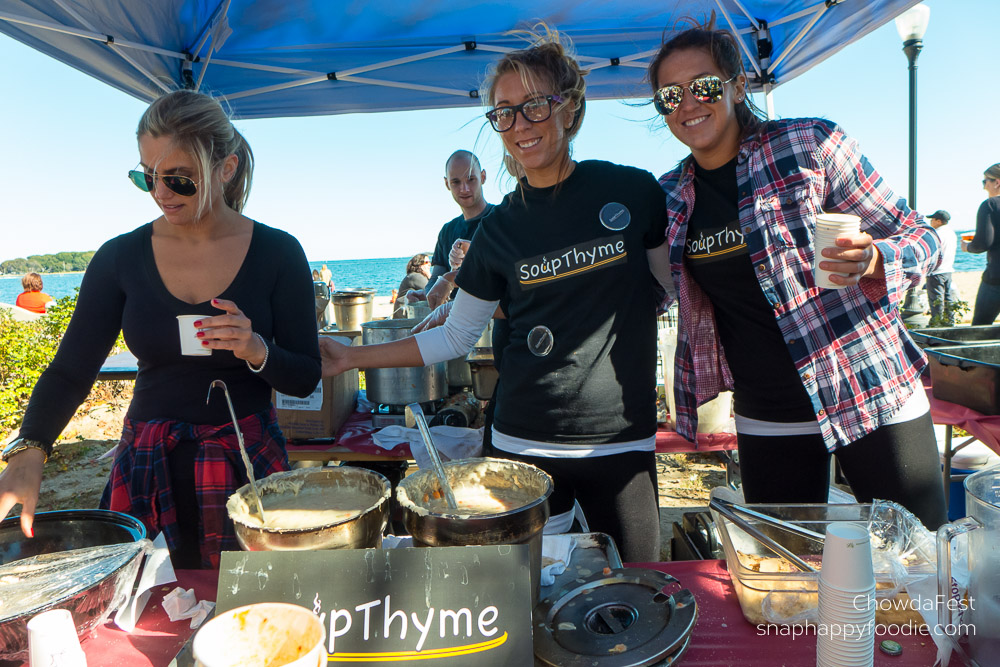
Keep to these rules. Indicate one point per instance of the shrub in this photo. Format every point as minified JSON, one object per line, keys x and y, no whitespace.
{"x":26,"y":349}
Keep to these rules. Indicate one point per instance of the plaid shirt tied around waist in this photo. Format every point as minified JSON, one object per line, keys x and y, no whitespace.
{"x":849,"y":346}
{"x":140,"y":476}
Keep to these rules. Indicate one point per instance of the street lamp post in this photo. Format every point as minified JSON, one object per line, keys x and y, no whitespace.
{"x":911,"y":26}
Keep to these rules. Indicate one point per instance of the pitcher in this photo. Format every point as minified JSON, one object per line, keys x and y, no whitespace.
{"x":982,"y":505}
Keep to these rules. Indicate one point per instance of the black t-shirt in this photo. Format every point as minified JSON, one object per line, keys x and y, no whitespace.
{"x":766,"y":384}
{"x":457,"y":228}
{"x":122,"y":291}
{"x":988,"y":238}
{"x":546,"y":254}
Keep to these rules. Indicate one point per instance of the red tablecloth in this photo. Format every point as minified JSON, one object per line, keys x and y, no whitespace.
{"x":356,"y":435}
{"x":985,"y":428}
{"x":721,"y":637}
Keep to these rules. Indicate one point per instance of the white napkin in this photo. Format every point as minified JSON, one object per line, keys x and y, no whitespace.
{"x":452,"y":442}
{"x":156,"y":571}
{"x":558,"y":548}
{"x":180,"y":604}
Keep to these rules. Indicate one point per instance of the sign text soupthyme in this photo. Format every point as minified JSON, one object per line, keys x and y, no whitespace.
{"x":572,"y":261}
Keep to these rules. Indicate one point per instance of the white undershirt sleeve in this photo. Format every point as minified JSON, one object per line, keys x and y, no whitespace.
{"x":465,"y":324}
{"x":659,"y":266}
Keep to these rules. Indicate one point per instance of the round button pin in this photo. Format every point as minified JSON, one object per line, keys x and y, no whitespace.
{"x":890,"y":647}
{"x":615,"y":216}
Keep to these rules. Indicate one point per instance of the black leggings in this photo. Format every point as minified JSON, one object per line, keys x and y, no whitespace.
{"x":897,"y":462}
{"x":618,"y":495}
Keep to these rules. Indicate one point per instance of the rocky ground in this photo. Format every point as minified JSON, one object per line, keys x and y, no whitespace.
{"x":77,"y":472}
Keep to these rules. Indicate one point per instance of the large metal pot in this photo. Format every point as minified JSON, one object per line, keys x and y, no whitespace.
{"x":321,"y":294}
{"x":459,"y":374}
{"x":521,"y":525}
{"x":401,"y":386}
{"x":360,"y":532}
{"x":483,"y":372}
{"x":89,"y":584}
{"x":352,"y":307}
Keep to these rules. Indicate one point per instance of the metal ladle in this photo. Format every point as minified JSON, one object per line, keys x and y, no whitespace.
{"x":239,"y":439}
{"x":415,"y":415}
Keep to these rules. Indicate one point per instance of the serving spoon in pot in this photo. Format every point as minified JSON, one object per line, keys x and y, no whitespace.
{"x":239,"y":439}
{"x":415,"y":415}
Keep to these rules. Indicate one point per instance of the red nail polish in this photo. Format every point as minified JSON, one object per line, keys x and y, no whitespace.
{"x":215,"y":301}
{"x":31,"y":531}
{"x":200,"y":334}
{"x":204,"y":342}
{"x":197,"y":323}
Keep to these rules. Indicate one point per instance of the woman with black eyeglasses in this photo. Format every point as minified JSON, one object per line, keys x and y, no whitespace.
{"x":813,"y":370}
{"x":566,"y":254}
{"x":178,"y":459}
{"x":987,"y":239}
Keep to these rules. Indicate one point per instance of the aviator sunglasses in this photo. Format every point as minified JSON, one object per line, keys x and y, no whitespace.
{"x":705,"y":89}
{"x":535,"y":110}
{"x":146,"y":182}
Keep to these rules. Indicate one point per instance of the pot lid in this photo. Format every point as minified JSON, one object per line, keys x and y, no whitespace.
{"x":615,"y":618}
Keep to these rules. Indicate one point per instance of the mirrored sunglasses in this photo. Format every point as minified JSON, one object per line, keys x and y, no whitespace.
{"x":146,"y":182}
{"x":705,"y":89}
{"x":535,"y":110}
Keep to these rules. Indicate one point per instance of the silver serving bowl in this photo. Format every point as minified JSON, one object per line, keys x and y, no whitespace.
{"x":359,"y":532}
{"x":521,"y":525}
{"x":91,"y":597}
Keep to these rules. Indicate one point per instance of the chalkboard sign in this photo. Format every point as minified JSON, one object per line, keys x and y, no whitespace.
{"x":450,"y":605}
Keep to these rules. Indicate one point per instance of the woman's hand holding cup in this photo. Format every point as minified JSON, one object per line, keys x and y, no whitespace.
{"x":855,"y":257}
{"x":231,"y":331}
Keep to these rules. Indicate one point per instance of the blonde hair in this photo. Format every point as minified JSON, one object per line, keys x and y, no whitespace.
{"x":549,"y":60}
{"x":993,"y":171}
{"x":32,"y":282}
{"x":199,"y":125}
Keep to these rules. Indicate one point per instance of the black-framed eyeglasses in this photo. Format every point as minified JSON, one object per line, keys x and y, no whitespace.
{"x":705,"y":89}
{"x":988,"y":180}
{"x":535,"y":110}
{"x":146,"y":181}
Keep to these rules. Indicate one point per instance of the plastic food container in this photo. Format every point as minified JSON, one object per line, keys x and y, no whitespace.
{"x":772,"y":591}
{"x":950,"y":336}
{"x":967,"y":375}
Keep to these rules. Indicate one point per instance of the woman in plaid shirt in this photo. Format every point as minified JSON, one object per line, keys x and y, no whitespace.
{"x":814,"y":371}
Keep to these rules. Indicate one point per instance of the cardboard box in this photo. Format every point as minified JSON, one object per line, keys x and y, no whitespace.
{"x":322,"y":413}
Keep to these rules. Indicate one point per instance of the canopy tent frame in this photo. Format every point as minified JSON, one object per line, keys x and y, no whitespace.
{"x":755,"y":37}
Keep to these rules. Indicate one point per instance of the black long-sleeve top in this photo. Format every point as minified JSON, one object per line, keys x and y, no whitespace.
{"x":987,"y":239}
{"x":122,"y":291}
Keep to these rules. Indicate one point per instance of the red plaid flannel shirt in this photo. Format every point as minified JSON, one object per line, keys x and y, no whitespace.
{"x":140,"y":477}
{"x":849,"y":346}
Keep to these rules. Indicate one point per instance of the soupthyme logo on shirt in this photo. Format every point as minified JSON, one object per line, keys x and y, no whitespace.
{"x":572,"y":261}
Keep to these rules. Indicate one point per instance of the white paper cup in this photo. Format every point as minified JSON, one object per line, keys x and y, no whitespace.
{"x":847,"y":558}
{"x":268,"y":633}
{"x":190,"y":343}
{"x":52,"y":640}
{"x":829,"y":227}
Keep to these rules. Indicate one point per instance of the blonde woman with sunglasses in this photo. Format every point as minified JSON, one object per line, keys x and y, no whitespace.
{"x":178,"y":459}
{"x":814,"y":371}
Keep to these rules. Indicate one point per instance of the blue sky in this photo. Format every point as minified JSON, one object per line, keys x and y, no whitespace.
{"x":370,"y":185}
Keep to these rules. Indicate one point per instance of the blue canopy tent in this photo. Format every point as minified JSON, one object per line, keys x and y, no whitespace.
{"x":274,"y":58}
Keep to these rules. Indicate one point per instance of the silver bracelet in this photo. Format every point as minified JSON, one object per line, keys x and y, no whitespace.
{"x":267,"y":352}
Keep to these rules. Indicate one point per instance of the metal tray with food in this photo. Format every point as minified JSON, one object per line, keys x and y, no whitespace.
{"x":772,"y":590}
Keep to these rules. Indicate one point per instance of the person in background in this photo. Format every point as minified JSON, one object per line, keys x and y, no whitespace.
{"x":418,"y":270}
{"x":326,"y":275}
{"x":178,"y":460}
{"x":316,"y":276}
{"x":577,"y":391}
{"x":987,"y":239}
{"x":464,"y":179}
{"x":33,"y":298}
{"x":814,"y":371}
{"x":940,"y":292}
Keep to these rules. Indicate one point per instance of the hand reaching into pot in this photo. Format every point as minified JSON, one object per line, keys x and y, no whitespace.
{"x":442,"y":289}
{"x":435,"y":319}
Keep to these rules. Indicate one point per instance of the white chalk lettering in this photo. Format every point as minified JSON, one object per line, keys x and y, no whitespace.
{"x":456,"y":617}
{"x":607,"y":250}
{"x":388,"y":618}
{"x":334,"y":630}
{"x":425,"y":628}
{"x":484,"y":624}
{"x":524,"y":272}
{"x":366,"y":607}
{"x":620,"y":247}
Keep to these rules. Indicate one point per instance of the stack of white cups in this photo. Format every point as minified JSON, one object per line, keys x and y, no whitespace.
{"x":830,"y":226}
{"x":52,"y":640}
{"x":846,"y":636}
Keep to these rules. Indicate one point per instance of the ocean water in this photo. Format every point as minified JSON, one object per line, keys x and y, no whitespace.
{"x":383,"y":274}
